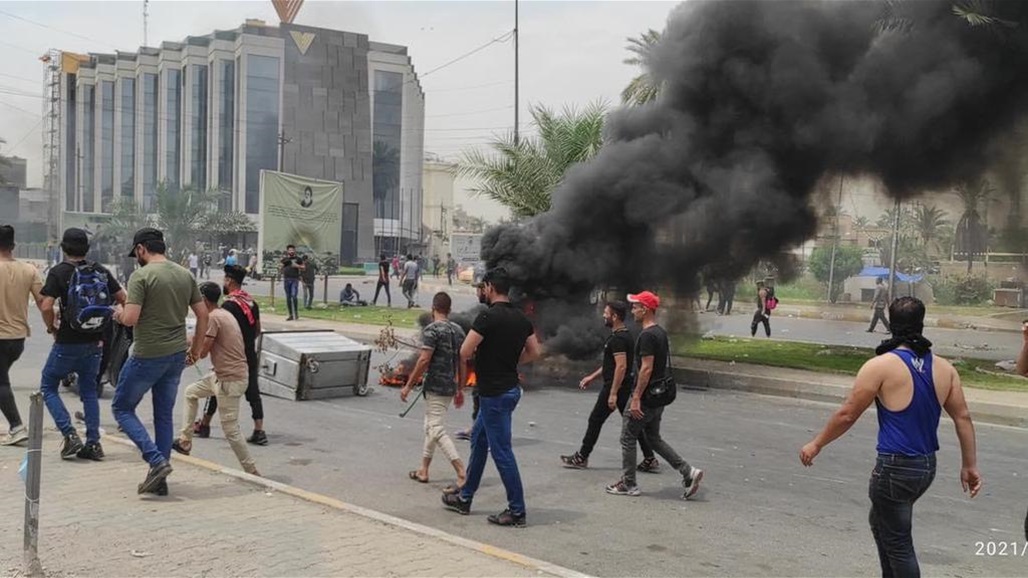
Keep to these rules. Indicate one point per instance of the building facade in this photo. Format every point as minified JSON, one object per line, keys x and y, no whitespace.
{"x":211,"y":112}
{"x":438,"y":181}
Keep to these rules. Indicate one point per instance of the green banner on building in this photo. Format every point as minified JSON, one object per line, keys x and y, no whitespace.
{"x":300,"y":211}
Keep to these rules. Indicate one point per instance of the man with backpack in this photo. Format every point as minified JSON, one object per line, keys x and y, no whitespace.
{"x":654,"y":389}
{"x":86,"y":292}
{"x":766,"y":301}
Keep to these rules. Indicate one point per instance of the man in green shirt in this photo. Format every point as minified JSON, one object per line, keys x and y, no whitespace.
{"x":160,"y":294}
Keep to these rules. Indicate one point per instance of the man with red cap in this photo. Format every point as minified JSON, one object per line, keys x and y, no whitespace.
{"x":653,"y":371}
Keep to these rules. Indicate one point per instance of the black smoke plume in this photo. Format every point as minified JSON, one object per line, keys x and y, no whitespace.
{"x":759,"y":101}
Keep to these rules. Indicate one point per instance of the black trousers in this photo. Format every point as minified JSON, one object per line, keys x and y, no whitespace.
{"x":10,"y":351}
{"x":378,"y":287}
{"x":759,"y":318}
{"x":879,"y":315}
{"x":601,"y":411}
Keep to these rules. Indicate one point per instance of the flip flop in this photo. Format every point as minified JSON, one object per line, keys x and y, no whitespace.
{"x":413,"y":474}
{"x":177,"y":446}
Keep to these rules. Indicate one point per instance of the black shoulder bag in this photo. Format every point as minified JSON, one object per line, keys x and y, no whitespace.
{"x":662,"y":391}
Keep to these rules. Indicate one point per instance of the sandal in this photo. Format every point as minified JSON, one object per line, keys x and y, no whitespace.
{"x":413,"y":474}
{"x":177,"y":446}
{"x":451,"y":489}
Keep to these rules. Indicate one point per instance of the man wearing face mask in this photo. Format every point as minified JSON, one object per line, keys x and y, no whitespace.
{"x":617,"y":378}
{"x":160,"y":294}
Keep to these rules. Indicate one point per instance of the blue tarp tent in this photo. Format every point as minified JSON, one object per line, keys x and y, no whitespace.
{"x":884,"y":273}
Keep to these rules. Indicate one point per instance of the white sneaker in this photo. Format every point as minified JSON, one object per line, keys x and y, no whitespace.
{"x":16,"y":436}
{"x":691,"y":483}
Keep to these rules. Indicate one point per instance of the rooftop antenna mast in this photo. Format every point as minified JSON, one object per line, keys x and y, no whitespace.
{"x":146,"y":20}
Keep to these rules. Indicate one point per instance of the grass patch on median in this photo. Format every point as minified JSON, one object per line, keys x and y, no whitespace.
{"x":839,"y":359}
{"x":381,"y":316}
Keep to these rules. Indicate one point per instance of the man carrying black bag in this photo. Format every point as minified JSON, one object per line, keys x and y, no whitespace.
{"x":654,"y":388}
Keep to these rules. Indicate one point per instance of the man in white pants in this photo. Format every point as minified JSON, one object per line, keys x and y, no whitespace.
{"x":224,"y":342}
{"x":439,"y":362}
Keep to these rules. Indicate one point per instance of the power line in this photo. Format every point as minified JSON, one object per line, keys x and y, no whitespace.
{"x":22,"y":139}
{"x":473,"y":87}
{"x":22,"y":48}
{"x":32,"y":80}
{"x":502,"y":38}
{"x":41,"y":25}
{"x":471,"y":112}
{"x":20,"y":109}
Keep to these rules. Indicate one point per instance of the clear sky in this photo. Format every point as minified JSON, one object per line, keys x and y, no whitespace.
{"x":571,"y":54}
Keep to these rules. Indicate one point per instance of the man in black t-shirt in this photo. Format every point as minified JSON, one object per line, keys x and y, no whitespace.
{"x":75,"y":351}
{"x":291,"y":267}
{"x":500,"y":338}
{"x":653,"y":356}
{"x":617,"y":375}
{"x":383,"y":280}
{"x":248,"y":315}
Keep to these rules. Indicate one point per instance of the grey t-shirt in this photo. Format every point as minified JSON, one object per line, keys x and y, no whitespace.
{"x":444,"y":338}
{"x":410,"y":271}
{"x":879,"y":297}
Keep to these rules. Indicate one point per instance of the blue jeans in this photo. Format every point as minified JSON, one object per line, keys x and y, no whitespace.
{"x":492,"y":434}
{"x":84,"y":360}
{"x":292,"y":286}
{"x":138,"y":376}
{"x":896,"y":483}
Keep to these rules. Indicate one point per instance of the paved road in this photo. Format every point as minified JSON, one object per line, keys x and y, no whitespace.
{"x":994,"y":345}
{"x":760,"y":512}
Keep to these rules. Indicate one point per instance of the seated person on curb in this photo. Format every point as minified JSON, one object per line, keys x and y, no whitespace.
{"x":350,"y":297}
{"x":224,"y":342}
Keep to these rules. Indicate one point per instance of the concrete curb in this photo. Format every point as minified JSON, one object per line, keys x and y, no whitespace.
{"x":815,"y":387}
{"x":539,"y":566}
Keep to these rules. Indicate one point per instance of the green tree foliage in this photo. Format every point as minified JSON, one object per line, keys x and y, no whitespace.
{"x":642,"y":88}
{"x":181,"y":215}
{"x":972,"y":236}
{"x":521,"y":174}
{"x":848,"y":262}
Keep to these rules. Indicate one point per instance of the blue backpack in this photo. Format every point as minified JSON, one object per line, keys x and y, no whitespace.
{"x":88,"y":305}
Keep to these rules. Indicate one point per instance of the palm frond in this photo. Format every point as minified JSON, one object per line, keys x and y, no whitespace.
{"x":978,"y":14}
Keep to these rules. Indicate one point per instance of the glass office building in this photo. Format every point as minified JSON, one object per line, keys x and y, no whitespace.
{"x":211,"y":112}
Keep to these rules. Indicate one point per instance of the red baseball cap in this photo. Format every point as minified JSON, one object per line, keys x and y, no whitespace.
{"x":647,"y":299}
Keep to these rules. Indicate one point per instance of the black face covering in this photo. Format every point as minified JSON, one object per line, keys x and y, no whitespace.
{"x":225,"y":290}
{"x":483,"y":299}
{"x":608,"y":322}
{"x":909,"y":335}
{"x":141,"y":262}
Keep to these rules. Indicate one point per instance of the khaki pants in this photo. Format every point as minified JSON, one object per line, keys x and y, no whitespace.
{"x":228,"y":393}
{"x":435,"y":429}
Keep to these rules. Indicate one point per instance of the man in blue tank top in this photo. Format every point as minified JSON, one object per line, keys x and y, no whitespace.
{"x":909,"y":387}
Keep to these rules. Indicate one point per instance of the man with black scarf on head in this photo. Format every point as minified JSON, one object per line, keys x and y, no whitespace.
{"x":909,"y":387}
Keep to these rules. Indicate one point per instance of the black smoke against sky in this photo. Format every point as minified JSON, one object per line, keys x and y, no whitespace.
{"x":759,"y":101}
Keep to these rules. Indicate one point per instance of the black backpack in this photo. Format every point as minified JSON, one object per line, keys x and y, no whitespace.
{"x":88,"y":305}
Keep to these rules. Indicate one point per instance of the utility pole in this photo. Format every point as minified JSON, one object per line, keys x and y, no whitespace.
{"x":282,"y":142}
{"x":835,"y":245}
{"x":517,"y":132}
{"x":895,"y":247}
{"x":146,"y":16}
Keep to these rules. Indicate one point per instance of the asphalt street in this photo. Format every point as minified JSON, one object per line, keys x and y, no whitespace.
{"x":760,"y":512}
{"x":994,"y":345}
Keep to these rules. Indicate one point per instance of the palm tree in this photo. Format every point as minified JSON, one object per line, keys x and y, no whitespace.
{"x":181,"y":215}
{"x":861,"y":222}
{"x":974,"y":13}
{"x":972,"y":236}
{"x":928,"y":223}
{"x":521,"y":174}
{"x":643,"y":88}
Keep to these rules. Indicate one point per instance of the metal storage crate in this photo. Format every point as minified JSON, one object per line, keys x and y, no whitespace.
{"x":304,"y":365}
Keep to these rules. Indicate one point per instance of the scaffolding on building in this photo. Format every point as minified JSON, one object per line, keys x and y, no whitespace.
{"x":52,"y":138}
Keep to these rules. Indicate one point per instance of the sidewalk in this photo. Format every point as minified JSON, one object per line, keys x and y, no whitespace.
{"x":92,"y":523}
{"x":997,"y":407}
